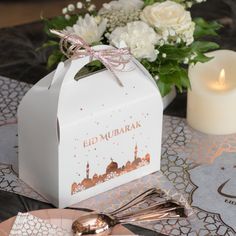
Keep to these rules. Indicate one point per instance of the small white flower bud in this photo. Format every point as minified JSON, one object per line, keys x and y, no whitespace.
{"x":107,"y":35}
{"x":67,"y":17}
{"x":79,"y":5}
{"x":71,"y":7}
{"x":172,"y":32}
{"x":189,"y":4}
{"x":162,"y":42}
{"x":92,"y":7}
{"x":97,"y":19}
{"x":186,"y":60}
{"x":164,"y":55}
{"x":178,"y":40}
{"x":64,"y":10}
{"x":156,"y":77}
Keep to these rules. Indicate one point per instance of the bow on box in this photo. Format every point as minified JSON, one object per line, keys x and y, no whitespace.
{"x":73,"y":46}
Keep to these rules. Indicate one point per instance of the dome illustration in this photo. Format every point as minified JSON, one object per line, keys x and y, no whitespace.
{"x":112,"y":167}
{"x":74,"y":188}
{"x":137,"y":161}
{"x":87,"y":183}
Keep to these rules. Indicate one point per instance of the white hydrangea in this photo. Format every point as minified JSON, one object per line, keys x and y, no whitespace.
{"x":88,"y":28}
{"x":119,"y":13}
{"x":171,"y":20}
{"x":139,"y":37}
{"x":126,"y":5}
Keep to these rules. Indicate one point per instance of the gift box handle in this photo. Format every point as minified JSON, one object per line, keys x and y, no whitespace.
{"x":67,"y":70}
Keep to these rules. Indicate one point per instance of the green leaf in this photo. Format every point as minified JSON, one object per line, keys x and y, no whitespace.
{"x":201,"y":58}
{"x":95,"y":64}
{"x":204,"y":46}
{"x":81,"y":73}
{"x":152,"y":67}
{"x":59,"y":23}
{"x":184,"y":79}
{"x":50,"y":43}
{"x":91,"y":67}
{"x":168,"y":68}
{"x":175,"y":53}
{"x":150,"y":2}
{"x":179,"y":78}
{"x":54,"y":58}
{"x":204,"y":28}
{"x":163,"y":87}
{"x":171,"y":79}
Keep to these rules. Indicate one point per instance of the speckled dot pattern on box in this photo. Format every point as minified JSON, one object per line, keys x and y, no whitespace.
{"x":200,"y":167}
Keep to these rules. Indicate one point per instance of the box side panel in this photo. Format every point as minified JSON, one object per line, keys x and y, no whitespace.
{"x":38,"y":141}
{"x":111,"y":148}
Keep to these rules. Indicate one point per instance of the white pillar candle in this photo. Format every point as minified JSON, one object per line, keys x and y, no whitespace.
{"x":211,"y":106}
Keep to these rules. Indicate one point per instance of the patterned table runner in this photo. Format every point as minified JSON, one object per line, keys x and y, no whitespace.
{"x":201,"y":167}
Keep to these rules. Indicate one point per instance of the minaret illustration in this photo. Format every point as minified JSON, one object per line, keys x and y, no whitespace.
{"x":87,"y":171}
{"x":136,"y":152}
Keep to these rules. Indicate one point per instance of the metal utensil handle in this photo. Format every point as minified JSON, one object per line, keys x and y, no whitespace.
{"x":137,"y":200}
{"x":156,"y":216}
{"x":160,"y":207}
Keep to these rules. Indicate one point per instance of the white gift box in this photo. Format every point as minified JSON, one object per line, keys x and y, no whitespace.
{"x":80,"y":138}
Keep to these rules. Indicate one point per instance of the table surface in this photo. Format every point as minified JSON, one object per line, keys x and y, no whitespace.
{"x":20,"y":61}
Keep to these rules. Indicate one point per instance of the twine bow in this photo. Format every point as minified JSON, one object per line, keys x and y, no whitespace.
{"x":73,"y":46}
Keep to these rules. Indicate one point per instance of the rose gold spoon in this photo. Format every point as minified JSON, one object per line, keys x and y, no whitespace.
{"x":97,"y":223}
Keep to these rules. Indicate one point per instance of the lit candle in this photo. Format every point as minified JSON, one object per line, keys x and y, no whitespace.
{"x":211,"y":106}
{"x":219,"y":84}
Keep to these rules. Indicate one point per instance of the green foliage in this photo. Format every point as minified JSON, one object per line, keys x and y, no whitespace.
{"x":150,"y":2}
{"x":55,"y":58}
{"x":204,"y":46}
{"x":175,"y":52}
{"x":205,"y":28}
{"x":89,"y":68}
{"x":170,"y":73}
{"x":49,"y":43}
{"x":171,"y":65}
{"x":199,"y":48}
{"x":58,"y":23}
{"x":164,"y":87}
{"x":171,"y":69}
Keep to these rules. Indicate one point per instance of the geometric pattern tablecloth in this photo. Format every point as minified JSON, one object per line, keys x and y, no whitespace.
{"x":201,"y":167}
{"x":197,"y":165}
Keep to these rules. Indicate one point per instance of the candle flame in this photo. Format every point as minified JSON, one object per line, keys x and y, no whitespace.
{"x":222,"y":77}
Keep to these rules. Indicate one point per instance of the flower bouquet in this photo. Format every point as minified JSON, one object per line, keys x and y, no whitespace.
{"x":161,"y":34}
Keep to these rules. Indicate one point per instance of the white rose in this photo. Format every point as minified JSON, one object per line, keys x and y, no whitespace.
{"x":88,"y":28}
{"x":139,"y":37}
{"x":170,"y":18}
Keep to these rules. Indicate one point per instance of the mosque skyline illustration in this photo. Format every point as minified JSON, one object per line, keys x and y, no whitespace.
{"x":112,"y":171}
